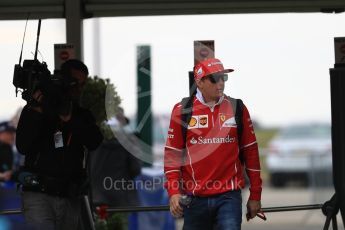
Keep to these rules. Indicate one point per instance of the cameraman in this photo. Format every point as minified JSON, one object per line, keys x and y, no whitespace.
{"x":54,"y":145}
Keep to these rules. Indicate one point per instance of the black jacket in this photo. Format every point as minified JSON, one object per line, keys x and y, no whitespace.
{"x":35,"y":139}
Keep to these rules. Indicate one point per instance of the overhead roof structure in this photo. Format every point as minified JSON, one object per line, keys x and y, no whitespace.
{"x":74,"y":11}
{"x":18,"y":9}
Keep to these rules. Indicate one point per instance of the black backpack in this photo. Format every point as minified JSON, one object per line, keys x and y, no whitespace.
{"x":186,"y":115}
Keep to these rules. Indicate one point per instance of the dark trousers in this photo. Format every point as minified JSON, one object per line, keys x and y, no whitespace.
{"x":43,"y":211}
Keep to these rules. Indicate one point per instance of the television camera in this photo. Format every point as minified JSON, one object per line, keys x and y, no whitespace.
{"x":35,"y":76}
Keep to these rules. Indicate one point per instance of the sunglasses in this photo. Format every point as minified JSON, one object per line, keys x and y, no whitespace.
{"x":214,"y":78}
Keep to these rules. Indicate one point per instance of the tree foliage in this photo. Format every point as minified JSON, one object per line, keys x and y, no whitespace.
{"x":101,"y":98}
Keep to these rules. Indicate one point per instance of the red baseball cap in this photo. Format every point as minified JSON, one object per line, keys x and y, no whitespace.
{"x":209,"y":66}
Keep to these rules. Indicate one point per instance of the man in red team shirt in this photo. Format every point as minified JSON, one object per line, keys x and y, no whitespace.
{"x":208,"y":168}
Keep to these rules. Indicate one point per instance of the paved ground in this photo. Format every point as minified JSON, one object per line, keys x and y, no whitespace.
{"x":294,"y":220}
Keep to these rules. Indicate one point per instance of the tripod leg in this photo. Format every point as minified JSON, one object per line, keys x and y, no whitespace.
{"x":86,"y":215}
{"x":334,"y":223}
{"x":328,"y":221}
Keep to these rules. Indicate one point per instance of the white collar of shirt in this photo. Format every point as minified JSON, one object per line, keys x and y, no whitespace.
{"x":201,"y":99}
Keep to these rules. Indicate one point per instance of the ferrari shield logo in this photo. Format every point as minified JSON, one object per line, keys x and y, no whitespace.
{"x":226,"y":120}
{"x":222,"y":117}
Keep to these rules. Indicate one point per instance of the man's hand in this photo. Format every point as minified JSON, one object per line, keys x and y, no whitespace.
{"x":253,"y":207}
{"x":175,"y":208}
{"x":38,"y":97}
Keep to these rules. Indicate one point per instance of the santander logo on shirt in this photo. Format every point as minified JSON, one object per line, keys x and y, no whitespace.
{"x":212,"y":140}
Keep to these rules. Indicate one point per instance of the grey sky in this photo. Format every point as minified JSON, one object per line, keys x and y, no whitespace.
{"x":281,"y":61}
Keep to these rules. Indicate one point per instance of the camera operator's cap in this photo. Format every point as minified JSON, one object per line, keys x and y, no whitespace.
{"x":209,"y":66}
{"x":6,"y":127}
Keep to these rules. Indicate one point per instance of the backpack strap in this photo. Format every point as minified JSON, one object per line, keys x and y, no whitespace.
{"x":186,"y":115}
{"x":237,"y":107}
